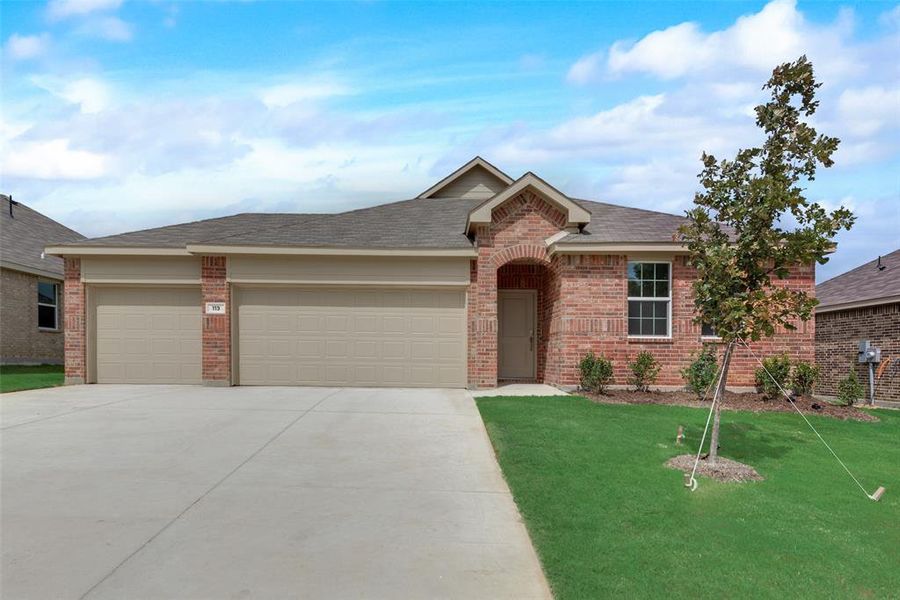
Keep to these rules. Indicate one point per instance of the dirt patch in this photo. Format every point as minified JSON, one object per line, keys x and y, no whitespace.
{"x":725,"y":469}
{"x":733,"y":401}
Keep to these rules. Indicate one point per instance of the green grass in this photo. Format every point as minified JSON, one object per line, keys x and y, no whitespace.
{"x":23,"y":377}
{"x":608,"y":520}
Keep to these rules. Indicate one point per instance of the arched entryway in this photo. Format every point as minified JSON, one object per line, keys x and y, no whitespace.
{"x":524,"y":306}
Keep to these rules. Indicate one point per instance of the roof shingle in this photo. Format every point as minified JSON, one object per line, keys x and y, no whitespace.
{"x":25,"y":233}
{"x":865,"y":283}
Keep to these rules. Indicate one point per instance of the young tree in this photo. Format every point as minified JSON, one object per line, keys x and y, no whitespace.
{"x":752,"y":222}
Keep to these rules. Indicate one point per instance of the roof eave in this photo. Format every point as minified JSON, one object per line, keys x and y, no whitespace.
{"x":858,"y":304}
{"x":617,"y":248}
{"x":576,"y":215}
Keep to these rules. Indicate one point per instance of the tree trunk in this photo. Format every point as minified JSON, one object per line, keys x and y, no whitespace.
{"x":718,"y":398}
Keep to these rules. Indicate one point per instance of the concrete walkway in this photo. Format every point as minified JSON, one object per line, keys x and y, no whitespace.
{"x":521,"y":389}
{"x":192,"y":492}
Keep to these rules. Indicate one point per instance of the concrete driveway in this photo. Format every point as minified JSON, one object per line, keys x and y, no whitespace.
{"x":192,"y":492}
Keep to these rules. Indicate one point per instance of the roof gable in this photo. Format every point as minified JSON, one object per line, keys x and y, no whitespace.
{"x":575,"y":214}
{"x":477,"y":179}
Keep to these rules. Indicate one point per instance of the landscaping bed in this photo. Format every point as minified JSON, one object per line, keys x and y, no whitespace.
{"x":752,"y":402}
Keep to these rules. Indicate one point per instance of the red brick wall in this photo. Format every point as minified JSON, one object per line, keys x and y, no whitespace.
{"x":838,"y":335}
{"x":517,"y":233}
{"x":584,"y":307}
{"x":75,"y":323}
{"x":593,"y":310}
{"x":216,"y":328}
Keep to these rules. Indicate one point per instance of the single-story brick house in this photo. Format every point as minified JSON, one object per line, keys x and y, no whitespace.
{"x":31,"y":283}
{"x":861,"y":304}
{"x":480,"y":279}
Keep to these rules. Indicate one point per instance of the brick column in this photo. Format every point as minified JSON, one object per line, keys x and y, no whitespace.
{"x":216,"y":328}
{"x":483,"y":323}
{"x":74,"y":323}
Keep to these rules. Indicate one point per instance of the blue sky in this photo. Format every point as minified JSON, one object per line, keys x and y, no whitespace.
{"x":124,"y":115}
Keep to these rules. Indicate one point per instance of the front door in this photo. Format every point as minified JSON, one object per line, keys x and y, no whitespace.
{"x":517,"y":316}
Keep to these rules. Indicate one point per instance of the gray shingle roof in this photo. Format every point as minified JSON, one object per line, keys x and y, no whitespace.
{"x":865,"y":283}
{"x":614,"y":223}
{"x":417,"y":223}
{"x":25,"y":234}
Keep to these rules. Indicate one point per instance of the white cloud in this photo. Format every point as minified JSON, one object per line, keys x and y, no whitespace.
{"x":112,"y":29}
{"x":23,"y":47}
{"x":52,"y":159}
{"x":291,"y":93}
{"x":90,"y":94}
{"x":754,"y":43}
{"x":869,"y":110}
{"x":586,"y":69}
{"x":62,"y":9}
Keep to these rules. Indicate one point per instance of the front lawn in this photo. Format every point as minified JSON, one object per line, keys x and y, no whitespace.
{"x":24,"y":377}
{"x":608,"y":520}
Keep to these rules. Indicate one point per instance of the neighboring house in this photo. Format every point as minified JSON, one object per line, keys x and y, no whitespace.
{"x":861,"y":304}
{"x":31,"y":310}
{"x":480,"y":279}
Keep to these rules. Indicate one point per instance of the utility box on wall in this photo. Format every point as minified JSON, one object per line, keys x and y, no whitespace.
{"x":868,"y":353}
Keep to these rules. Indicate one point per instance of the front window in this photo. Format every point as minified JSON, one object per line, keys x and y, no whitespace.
{"x":649,"y":298}
{"x":707,"y":330}
{"x":48,"y":302}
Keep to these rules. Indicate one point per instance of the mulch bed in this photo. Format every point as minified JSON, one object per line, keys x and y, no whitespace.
{"x":725,"y":469}
{"x":734,"y":401}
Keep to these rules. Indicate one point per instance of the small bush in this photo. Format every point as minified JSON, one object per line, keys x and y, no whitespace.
{"x":596,"y":373}
{"x":701,"y":373}
{"x":804,"y":378}
{"x":849,"y":389}
{"x":644,"y":371}
{"x":779,"y":369}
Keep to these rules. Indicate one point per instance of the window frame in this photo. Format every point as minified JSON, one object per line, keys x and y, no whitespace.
{"x":706,"y":336}
{"x":55,"y":305}
{"x":669,"y":300}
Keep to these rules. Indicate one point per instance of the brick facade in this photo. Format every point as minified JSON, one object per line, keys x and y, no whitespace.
{"x":838,"y":334}
{"x":21,"y":341}
{"x":75,"y":323}
{"x":583,"y":306}
{"x":216,"y":335}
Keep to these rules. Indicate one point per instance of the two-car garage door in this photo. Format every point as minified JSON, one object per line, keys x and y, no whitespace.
{"x":351,"y":336}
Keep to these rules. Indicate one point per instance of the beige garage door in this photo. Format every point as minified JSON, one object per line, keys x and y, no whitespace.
{"x":147,"y":335}
{"x":358,"y":336}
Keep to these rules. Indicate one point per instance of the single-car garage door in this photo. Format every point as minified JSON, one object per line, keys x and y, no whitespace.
{"x":147,"y":335}
{"x":351,"y":336}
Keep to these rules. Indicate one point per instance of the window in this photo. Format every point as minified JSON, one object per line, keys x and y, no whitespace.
{"x":707,"y":330}
{"x":48,"y":297}
{"x":649,"y":298}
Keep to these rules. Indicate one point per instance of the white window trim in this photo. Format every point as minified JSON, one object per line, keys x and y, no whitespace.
{"x":668,"y":335}
{"x":55,"y":306}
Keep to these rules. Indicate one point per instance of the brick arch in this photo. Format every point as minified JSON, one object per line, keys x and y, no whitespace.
{"x":533,"y":252}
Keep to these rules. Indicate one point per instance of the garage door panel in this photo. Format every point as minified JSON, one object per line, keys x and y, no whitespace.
{"x":352,"y":336}
{"x":147,"y":335}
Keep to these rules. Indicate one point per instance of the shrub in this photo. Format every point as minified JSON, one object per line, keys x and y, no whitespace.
{"x":596,"y":373}
{"x":779,"y":368}
{"x":849,"y":389}
{"x":701,"y":373}
{"x":804,"y":378}
{"x":644,"y":371}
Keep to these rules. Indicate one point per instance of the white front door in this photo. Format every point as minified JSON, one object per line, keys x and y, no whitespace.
{"x":517,"y":317}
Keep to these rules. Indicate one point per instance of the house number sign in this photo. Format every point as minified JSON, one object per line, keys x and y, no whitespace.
{"x":215,"y":308}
